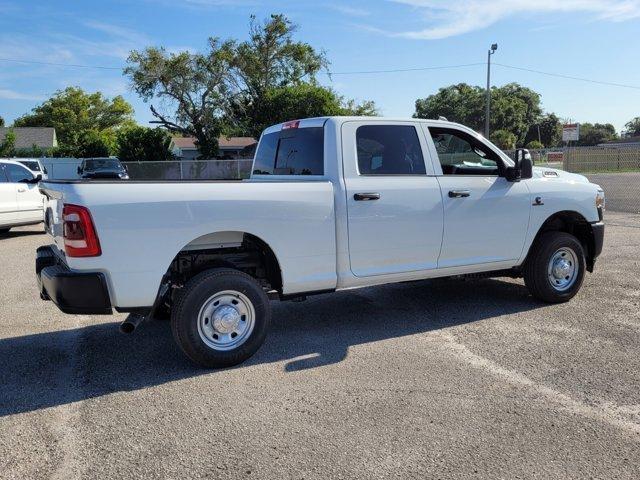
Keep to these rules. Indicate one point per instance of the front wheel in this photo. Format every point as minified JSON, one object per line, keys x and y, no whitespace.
{"x":554,"y":270}
{"x":220,"y":318}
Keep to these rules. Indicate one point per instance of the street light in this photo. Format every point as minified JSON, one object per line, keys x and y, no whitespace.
{"x":492,"y":50}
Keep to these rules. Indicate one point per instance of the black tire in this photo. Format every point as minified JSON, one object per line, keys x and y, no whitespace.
{"x":4,"y":230}
{"x":194,"y":296}
{"x":536,"y":274}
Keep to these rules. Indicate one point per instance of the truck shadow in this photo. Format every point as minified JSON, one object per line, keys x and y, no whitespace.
{"x":61,"y":367}
{"x":14,"y":233}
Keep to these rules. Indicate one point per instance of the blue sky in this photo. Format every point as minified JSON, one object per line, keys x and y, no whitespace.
{"x":594,"y":39}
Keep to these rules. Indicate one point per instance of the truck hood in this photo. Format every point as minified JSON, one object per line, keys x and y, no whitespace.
{"x":552,"y":173}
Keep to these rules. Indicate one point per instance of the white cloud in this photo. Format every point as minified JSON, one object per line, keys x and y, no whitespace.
{"x":350,"y":11}
{"x":7,"y":94}
{"x":206,"y":4}
{"x":447,"y":18}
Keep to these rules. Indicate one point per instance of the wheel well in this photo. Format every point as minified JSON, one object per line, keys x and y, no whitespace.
{"x":237,"y":250}
{"x":245,"y":252}
{"x":574,"y":224}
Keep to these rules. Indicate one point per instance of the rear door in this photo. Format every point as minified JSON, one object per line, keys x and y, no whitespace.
{"x":30,"y":201}
{"x":8,"y":199}
{"x":394,"y":207}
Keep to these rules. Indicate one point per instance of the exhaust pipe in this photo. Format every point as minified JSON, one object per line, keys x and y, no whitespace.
{"x":131,"y":323}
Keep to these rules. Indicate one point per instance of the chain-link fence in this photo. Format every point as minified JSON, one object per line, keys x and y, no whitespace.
{"x":615,"y":169}
{"x":67,"y":169}
{"x":190,"y":170}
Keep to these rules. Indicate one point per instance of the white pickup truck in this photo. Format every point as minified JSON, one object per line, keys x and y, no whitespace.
{"x":332,"y":203}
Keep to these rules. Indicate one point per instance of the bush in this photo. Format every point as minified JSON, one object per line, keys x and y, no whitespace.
{"x":96,"y":143}
{"x":8,"y":143}
{"x":142,"y":144}
{"x":534,"y":145}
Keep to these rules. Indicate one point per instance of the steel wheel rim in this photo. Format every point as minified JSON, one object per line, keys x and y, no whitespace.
{"x":562,"y":270}
{"x":226,"y":320}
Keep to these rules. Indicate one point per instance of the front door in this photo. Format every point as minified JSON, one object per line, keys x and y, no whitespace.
{"x":30,"y":200}
{"x":486,"y":217}
{"x":8,"y":200}
{"x":394,"y":206}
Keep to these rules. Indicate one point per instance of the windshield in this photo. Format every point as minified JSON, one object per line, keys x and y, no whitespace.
{"x":103,"y":164}
{"x":34,"y":166}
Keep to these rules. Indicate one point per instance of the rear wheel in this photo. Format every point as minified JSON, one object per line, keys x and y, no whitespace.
{"x":555,"y":268}
{"x":220,"y":318}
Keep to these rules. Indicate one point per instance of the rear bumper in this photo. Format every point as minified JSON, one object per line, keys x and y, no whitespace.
{"x":73,"y":292}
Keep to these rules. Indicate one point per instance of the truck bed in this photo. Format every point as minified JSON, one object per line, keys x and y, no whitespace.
{"x":143,"y":225}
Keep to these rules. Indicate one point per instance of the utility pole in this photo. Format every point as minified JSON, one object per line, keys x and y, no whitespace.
{"x":492,"y":50}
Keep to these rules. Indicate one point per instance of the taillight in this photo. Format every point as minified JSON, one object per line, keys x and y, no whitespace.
{"x":80,"y":239}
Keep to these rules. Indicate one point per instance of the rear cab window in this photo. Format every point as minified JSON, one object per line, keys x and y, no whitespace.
{"x":293,"y":150}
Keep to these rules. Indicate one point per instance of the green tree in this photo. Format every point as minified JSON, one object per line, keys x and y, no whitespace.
{"x":302,"y":100}
{"x":514,"y":108}
{"x":234,"y":87}
{"x":1,"y":121}
{"x":8,"y":144}
{"x":96,"y":143}
{"x":268,"y":66}
{"x":460,"y":103}
{"x":594,"y":134}
{"x":197,"y":86}
{"x":74,"y":113}
{"x":504,"y":139}
{"x":632,"y":127}
{"x":549,"y":127}
{"x":142,"y":144}
{"x":366,"y":108}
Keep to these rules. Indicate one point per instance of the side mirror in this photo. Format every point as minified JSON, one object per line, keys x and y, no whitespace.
{"x":522,"y":168}
{"x":35,"y":179}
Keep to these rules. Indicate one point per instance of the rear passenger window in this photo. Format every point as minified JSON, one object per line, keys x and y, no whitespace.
{"x":389,"y":150}
{"x":294,"y":151}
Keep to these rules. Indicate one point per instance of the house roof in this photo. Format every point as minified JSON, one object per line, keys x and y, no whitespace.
{"x":188,"y":143}
{"x":26,"y":137}
{"x":236,"y":142}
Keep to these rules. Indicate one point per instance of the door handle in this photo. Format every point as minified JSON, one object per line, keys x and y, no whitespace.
{"x":22,"y":190}
{"x":360,"y":197}
{"x":459,"y":193}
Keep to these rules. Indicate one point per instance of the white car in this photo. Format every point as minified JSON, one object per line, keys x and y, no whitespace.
{"x":333,"y":203}
{"x":21,"y":202}
{"x":35,"y":165}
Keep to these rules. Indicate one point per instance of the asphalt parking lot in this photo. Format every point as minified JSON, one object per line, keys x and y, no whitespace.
{"x":432,"y":379}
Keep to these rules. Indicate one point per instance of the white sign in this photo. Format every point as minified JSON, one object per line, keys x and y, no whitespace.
{"x":571,"y":132}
